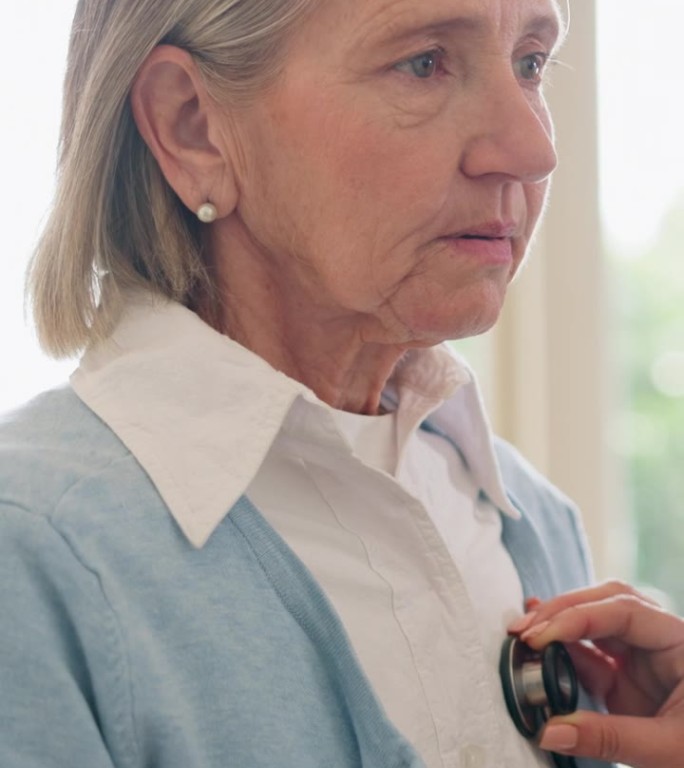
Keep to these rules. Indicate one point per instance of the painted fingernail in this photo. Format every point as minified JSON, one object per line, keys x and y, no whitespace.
{"x":535,"y":630}
{"x":521,"y":624}
{"x":559,"y":738}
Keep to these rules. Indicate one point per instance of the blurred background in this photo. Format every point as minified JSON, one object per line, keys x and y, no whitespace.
{"x":585,"y":371}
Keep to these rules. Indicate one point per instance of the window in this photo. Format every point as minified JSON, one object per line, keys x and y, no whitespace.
{"x":641,"y":118}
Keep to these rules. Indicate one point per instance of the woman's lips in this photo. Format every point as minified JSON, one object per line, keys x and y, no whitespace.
{"x":487,"y":250}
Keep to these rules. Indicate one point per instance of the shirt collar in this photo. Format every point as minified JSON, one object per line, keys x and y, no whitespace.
{"x":440,"y":375}
{"x":199,"y":412}
{"x":463,"y":419}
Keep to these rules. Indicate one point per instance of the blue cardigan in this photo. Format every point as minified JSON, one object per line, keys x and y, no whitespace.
{"x":122,"y":645}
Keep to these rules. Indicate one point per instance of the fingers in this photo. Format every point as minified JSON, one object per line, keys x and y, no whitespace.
{"x":638,"y":742}
{"x":532,"y":603}
{"x":623,"y":619}
{"x":604,"y":591}
{"x":538,"y":611}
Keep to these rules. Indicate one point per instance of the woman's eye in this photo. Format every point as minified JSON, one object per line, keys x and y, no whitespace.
{"x":532,"y":66}
{"x":424,"y":66}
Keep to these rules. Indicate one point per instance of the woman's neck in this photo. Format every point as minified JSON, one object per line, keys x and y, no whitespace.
{"x":331,"y":358}
{"x":345,"y":357}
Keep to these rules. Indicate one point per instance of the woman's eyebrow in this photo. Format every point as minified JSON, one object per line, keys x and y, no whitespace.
{"x":546,"y":25}
{"x":400,"y":31}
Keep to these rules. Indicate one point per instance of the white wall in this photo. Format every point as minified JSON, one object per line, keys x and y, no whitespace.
{"x":34,"y":49}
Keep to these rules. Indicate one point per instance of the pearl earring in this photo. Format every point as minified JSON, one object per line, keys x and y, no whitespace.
{"x":207,"y":213}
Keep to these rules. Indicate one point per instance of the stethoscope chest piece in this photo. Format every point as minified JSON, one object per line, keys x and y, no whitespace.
{"x":537,"y":685}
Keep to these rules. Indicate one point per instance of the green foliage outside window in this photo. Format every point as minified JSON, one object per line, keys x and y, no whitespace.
{"x":651,"y":349}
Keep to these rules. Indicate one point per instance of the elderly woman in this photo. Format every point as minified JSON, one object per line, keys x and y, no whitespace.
{"x":267,"y":524}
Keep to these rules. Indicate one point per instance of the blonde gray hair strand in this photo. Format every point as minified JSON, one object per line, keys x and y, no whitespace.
{"x":115,"y":222}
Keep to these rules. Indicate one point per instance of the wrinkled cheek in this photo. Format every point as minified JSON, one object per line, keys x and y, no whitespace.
{"x":518,"y":261}
{"x":536,"y":197}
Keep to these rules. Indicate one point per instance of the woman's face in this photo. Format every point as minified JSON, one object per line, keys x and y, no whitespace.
{"x":395,"y":173}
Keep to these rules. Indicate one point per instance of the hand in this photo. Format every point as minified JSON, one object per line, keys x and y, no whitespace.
{"x":634,"y":664}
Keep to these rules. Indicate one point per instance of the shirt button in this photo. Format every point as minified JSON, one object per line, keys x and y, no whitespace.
{"x":472,"y":756}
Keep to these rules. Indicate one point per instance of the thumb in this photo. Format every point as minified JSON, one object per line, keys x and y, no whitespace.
{"x":639,"y":742}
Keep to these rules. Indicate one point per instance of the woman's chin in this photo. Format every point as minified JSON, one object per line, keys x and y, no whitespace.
{"x":474,"y":315}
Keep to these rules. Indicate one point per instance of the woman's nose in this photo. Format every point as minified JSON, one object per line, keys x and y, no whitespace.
{"x":512,"y":136}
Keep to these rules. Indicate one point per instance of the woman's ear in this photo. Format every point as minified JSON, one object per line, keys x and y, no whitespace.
{"x":179,"y":122}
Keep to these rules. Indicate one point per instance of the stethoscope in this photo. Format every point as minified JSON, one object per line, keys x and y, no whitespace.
{"x":537,"y":685}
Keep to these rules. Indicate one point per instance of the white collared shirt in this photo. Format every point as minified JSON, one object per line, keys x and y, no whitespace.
{"x":400,"y":529}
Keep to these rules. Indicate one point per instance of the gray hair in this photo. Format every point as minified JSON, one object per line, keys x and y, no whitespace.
{"x":115,"y":222}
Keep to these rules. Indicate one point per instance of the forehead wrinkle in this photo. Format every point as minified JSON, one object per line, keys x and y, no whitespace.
{"x":396,"y":25}
{"x":398,"y":21}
